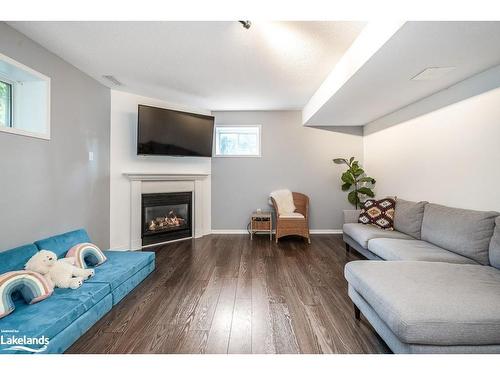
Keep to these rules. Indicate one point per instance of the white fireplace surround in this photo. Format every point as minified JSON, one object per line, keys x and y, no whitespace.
{"x":145,"y":183}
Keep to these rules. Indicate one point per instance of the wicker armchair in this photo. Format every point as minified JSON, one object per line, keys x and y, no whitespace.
{"x":287,"y":226}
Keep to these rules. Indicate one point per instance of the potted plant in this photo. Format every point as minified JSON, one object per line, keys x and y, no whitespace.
{"x":356,"y":182}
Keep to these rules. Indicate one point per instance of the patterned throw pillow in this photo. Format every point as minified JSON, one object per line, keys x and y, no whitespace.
{"x":379,"y":213}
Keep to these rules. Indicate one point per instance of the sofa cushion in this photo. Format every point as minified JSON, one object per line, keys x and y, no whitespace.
{"x":120,"y":266}
{"x":51,"y":316}
{"x":465,"y":232}
{"x":61,"y":243}
{"x":396,"y":249}
{"x":362,"y":233}
{"x":408,"y":217}
{"x":494,"y":253}
{"x":15,"y":259}
{"x":432,"y":303}
{"x":126,"y":287}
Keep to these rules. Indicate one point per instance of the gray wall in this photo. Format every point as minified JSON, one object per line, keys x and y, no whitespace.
{"x":48,"y":187}
{"x":294,"y":157}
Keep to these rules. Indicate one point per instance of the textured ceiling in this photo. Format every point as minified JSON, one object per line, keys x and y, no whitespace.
{"x":212,"y":65}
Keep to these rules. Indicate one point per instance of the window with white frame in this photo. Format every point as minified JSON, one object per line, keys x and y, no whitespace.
{"x":232,"y":140}
{"x":5,"y":103}
{"x":24,"y":100}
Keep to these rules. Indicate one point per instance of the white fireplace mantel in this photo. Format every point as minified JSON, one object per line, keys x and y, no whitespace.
{"x":140,"y":183}
{"x":165,"y":176}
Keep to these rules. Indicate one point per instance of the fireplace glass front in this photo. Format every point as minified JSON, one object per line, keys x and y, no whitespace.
{"x":166,"y":217}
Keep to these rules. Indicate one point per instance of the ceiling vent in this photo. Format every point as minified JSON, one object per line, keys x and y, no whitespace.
{"x":430,"y":74}
{"x":112,"y":79}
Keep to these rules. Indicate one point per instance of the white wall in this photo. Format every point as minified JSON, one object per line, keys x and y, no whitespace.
{"x":124,"y":159}
{"x":449,"y":156}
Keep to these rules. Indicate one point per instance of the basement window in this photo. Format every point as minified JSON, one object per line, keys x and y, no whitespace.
{"x":24,"y":100}
{"x":237,"y":140}
{"x":5,"y":103}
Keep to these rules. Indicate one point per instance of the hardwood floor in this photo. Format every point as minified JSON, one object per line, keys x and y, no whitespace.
{"x":227,"y":294}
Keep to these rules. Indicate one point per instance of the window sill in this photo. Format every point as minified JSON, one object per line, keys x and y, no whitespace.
{"x":237,"y":156}
{"x":25,"y":133}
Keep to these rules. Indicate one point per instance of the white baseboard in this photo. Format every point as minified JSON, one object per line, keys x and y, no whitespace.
{"x":325,"y":231}
{"x":229,"y":231}
{"x":244,"y":231}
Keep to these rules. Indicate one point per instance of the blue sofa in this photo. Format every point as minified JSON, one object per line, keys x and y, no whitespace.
{"x":68,"y":313}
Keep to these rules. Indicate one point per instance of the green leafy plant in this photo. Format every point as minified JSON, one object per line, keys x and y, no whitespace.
{"x":355,"y":180}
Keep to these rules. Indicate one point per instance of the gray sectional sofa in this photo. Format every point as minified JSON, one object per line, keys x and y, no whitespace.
{"x":438,"y":288}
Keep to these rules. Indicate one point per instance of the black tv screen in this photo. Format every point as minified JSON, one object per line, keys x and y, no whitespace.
{"x":168,"y":132}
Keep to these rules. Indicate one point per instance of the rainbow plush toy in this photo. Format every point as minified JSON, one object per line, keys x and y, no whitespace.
{"x":86,"y":255}
{"x":32,"y":286}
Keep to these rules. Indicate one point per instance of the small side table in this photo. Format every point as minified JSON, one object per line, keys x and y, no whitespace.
{"x":261,"y":222}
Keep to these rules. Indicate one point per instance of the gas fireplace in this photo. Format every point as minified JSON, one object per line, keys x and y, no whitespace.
{"x":166,"y":217}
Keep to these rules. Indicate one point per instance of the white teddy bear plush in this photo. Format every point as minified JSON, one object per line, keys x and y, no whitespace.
{"x":59,"y":273}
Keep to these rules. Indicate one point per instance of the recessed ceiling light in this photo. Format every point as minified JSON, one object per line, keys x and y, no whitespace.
{"x":429,"y":74}
{"x":112,"y":79}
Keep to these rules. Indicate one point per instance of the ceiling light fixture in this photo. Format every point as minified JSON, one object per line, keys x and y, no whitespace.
{"x":246,"y":24}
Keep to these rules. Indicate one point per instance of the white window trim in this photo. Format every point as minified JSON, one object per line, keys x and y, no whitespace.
{"x":215,"y":155}
{"x":13,"y":130}
{"x":12,"y":98}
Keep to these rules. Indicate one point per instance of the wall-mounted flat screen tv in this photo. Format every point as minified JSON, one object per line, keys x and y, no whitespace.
{"x":168,"y":132}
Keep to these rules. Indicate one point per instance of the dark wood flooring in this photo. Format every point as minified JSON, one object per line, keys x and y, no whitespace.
{"x":227,"y":294}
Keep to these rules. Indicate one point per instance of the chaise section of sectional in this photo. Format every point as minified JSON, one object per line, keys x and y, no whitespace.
{"x":429,"y":307}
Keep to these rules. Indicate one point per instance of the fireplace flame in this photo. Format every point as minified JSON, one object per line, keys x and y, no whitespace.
{"x":166,"y":222}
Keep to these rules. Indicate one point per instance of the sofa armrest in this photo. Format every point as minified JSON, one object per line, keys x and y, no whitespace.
{"x":351,"y":216}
